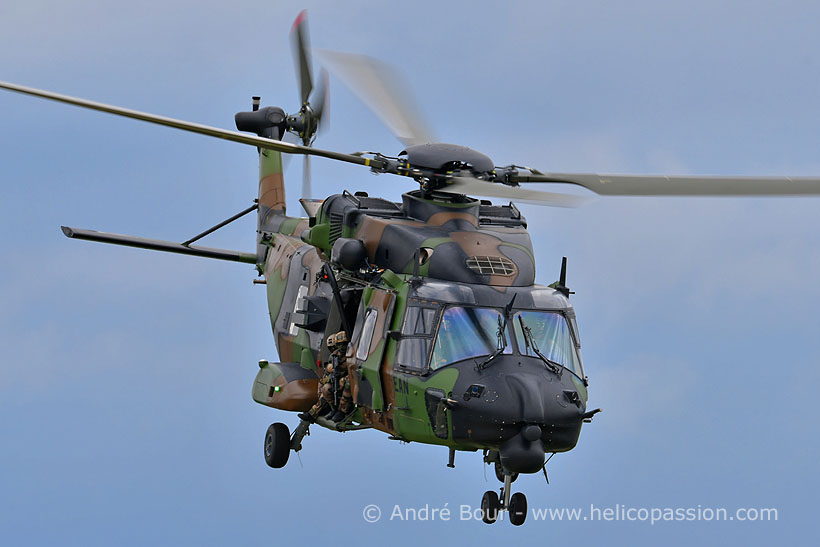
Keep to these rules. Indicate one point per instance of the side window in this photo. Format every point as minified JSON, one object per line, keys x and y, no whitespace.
{"x":419,"y":321}
{"x":417,"y":335}
{"x":574,"y":325}
{"x":367,"y":334}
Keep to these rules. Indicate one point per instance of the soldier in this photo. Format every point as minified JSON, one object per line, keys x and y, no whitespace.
{"x":332,"y":382}
{"x":346,"y":402}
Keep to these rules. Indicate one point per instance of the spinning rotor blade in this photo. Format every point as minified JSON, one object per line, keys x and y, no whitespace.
{"x":300,"y":45}
{"x":690,"y":185}
{"x":322,"y":100}
{"x":233,"y":136}
{"x":483,"y":188}
{"x":381,"y":88}
{"x":293,"y":139}
{"x":309,"y":116}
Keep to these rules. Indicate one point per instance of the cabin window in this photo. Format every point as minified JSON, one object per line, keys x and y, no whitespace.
{"x":297,"y":305}
{"x":369,"y":326}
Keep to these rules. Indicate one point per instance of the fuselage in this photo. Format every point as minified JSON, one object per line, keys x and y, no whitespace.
{"x":452,"y":343}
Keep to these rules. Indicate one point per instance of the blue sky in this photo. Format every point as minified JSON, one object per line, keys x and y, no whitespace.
{"x":125,"y":409}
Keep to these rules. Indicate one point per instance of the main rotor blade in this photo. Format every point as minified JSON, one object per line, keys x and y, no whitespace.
{"x":300,"y":44}
{"x":689,"y":185}
{"x":383,"y":90}
{"x":233,"y":136}
{"x":478,"y":187}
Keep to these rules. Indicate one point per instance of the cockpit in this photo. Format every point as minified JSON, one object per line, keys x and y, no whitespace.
{"x":435,"y":335}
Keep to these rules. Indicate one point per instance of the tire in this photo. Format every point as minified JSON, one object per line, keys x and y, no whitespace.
{"x":277,"y":445}
{"x":518,"y":509}
{"x":490,"y":506}
{"x":499,"y":473}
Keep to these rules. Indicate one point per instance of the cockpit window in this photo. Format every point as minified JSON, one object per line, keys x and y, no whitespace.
{"x":466,"y":332}
{"x":550,"y":335}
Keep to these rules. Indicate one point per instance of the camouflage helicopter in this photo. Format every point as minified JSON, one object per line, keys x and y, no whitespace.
{"x":426,"y":310}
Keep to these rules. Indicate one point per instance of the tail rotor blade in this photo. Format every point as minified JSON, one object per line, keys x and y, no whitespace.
{"x":300,"y":44}
{"x":321,"y":99}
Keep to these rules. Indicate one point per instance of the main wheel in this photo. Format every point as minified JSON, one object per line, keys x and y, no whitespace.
{"x":490,"y":506}
{"x":499,"y":473}
{"x":518,"y":509}
{"x":277,"y":445}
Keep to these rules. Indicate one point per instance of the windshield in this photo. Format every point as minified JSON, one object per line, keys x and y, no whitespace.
{"x":551,"y":336}
{"x":468,"y":332}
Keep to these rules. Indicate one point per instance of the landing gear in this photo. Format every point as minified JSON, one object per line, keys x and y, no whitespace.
{"x":514,"y":504}
{"x":277,"y":445}
{"x":279,"y":441}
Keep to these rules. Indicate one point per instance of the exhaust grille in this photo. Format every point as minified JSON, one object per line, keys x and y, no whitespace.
{"x":491,"y":265}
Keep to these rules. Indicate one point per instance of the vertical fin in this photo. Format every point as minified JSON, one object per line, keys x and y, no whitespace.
{"x":271,"y":198}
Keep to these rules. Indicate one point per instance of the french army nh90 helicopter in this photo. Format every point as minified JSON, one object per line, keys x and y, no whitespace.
{"x":446,"y":337}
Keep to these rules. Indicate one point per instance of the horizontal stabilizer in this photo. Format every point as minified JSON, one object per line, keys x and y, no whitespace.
{"x":158,"y":245}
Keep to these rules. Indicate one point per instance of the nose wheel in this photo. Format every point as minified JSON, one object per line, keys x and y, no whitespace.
{"x":490,"y":506}
{"x":517,"y":509}
{"x":514,"y":504}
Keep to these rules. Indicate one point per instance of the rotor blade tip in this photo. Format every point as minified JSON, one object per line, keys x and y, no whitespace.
{"x":67,"y":231}
{"x":299,"y":18}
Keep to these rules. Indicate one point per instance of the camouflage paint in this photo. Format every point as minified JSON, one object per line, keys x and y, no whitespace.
{"x":284,"y":387}
{"x":452,"y":233}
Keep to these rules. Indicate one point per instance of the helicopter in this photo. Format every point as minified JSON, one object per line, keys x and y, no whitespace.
{"x":436,"y":253}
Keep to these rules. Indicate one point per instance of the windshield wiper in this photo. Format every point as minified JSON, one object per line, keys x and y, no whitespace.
{"x":501,"y":344}
{"x":501,"y":337}
{"x":529,"y":342}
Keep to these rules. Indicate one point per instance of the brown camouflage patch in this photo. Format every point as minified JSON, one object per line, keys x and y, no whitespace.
{"x":296,"y":396}
{"x":272,"y":192}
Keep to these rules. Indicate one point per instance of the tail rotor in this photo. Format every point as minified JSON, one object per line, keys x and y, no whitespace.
{"x":305,"y":124}
{"x":302,"y":126}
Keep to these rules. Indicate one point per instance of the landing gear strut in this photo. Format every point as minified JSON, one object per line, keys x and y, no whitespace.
{"x":279,"y":442}
{"x":499,"y":472}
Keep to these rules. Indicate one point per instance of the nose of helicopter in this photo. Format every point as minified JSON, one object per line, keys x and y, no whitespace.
{"x":521,"y":406}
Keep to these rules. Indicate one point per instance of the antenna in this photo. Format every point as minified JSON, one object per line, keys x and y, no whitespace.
{"x":563,"y":279}
{"x":561,"y":284}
